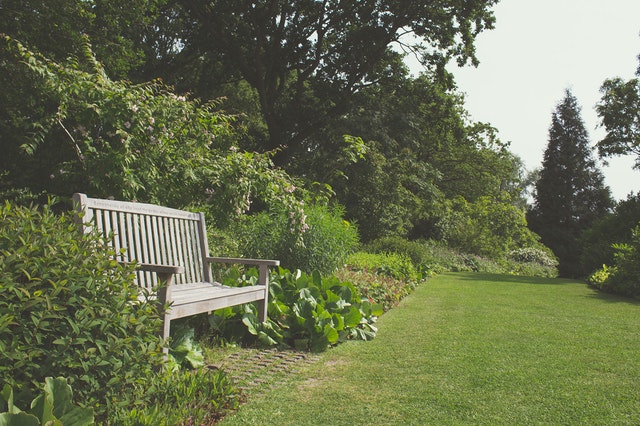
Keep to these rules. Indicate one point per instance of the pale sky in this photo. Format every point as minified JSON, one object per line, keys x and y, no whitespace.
{"x":538,"y":49}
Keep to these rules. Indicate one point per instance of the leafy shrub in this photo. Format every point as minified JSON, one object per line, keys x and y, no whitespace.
{"x":53,"y":407}
{"x":132,"y":142}
{"x":527,"y":269}
{"x":307,"y":312}
{"x":68,"y":307}
{"x":624,"y":277}
{"x":391,"y":264}
{"x":417,"y":251}
{"x":485,"y":227}
{"x":327,"y":241}
{"x":615,"y":228}
{"x":599,"y":278}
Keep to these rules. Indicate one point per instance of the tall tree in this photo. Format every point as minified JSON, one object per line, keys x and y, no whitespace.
{"x":570,"y":194}
{"x":619,"y":111}
{"x":306,"y":59}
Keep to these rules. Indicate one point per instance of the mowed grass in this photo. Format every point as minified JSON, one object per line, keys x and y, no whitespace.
{"x":474,"y":349}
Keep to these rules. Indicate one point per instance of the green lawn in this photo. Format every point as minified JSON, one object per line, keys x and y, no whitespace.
{"x":474,"y":349}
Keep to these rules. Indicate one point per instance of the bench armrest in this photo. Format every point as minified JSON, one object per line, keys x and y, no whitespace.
{"x":264,"y":262}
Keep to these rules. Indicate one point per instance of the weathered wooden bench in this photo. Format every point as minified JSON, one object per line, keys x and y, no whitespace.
{"x":170,"y":247}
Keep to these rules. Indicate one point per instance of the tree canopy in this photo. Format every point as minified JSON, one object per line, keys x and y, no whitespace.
{"x":317,"y":87}
{"x":306,"y":60}
{"x":619,"y":111}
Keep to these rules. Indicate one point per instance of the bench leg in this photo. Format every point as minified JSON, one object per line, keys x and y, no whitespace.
{"x":262,"y":309}
{"x":263,"y":279}
{"x":164,"y":294}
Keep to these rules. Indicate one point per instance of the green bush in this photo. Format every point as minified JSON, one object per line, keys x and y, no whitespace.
{"x":392,"y":264}
{"x":68,"y":308}
{"x":428,"y":256}
{"x":326,"y":242}
{"x":431,"y":256}
{"x":485,"y":227}
{"x":417,"y":251}
{"x":624,"y":276}
{"x":615,"y":228}
{"x":599,"y":278}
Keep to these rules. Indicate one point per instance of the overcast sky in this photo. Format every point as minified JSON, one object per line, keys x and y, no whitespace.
{"x":538,"y":49}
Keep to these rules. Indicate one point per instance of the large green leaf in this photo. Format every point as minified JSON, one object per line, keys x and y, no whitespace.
{"x":18,"y":419}
{"x":6,"y":398}
{"x":331,"y":334}
{"x":353,"y":317}
{"x":184,"y":348}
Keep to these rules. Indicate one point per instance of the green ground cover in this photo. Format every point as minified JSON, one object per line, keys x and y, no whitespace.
{"x":469,"y":348}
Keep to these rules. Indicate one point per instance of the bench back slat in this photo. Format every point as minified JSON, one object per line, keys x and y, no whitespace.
{"x":150,"y":234}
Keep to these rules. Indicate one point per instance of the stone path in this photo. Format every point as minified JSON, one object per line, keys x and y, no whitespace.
{"x":267,"y":368}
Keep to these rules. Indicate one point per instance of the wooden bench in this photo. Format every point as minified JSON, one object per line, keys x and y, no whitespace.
{"x":170,"y":247}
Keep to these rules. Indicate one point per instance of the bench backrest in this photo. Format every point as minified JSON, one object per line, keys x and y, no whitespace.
{"x":150,"y":234}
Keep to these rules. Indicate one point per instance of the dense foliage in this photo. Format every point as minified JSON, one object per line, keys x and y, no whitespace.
{"x":486,"y":227}
{"x":570,"y":194}
{"x":69,"y":308}
{"x":306,"y":312}
{"x":327,"y":240}
{"x":305,"y":60}
{"x":412,"y":145}
{"x":382,"y":278}
{"x":614,"y":228}
{"x":133,"y":142}
{"x":623,"y":277}
{"x":619,"y":111}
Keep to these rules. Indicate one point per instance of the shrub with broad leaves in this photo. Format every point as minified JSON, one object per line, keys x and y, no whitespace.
{"x":68,"y":307}
{"x":306,"y":312}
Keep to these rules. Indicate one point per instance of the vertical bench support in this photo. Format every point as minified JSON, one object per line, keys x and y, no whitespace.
{"x":263,"y":279}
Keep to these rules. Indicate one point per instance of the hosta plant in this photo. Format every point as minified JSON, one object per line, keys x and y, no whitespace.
{"x":53,"y":407}
{"x":306,"y":312}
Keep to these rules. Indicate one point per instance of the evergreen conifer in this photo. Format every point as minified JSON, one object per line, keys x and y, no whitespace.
{"x":570,"y":194}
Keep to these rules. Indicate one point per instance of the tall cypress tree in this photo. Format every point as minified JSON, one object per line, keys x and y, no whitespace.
{"x":570,"y":193}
